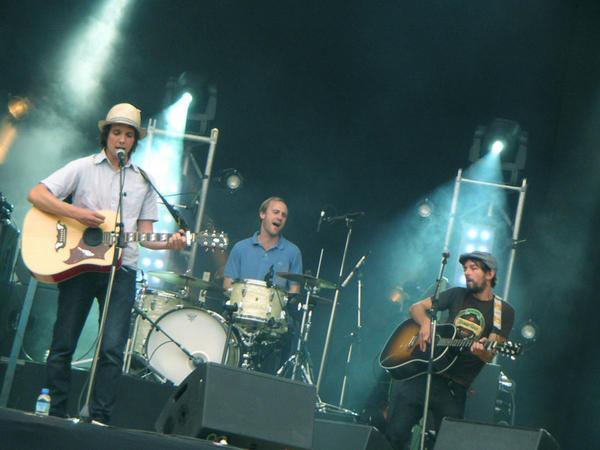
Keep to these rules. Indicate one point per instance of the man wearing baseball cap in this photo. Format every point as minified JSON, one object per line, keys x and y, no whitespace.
{"x":478,"y":314}
{"x":92,"y":183}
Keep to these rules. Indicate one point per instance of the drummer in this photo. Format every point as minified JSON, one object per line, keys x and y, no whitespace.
{"x":267,"y":252}
{"x":261,"y":257}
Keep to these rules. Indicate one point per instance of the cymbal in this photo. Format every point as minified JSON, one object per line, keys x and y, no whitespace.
{"x":181,"y":279}
{"x":307,"y":280}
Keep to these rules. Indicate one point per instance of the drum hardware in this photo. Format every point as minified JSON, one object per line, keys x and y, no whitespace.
{"x":258,"y":305}
{"x":307,"y":281}
{"x":185,"y":281}
{"x":228,"y":311}
{"x":194,"y":358}
{"x":183,"y":338}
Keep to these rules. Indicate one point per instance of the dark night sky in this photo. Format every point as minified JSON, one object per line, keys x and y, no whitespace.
{"x":363,"y":106}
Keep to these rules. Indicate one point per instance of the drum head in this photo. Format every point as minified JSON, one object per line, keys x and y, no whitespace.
{"x":202,"y":333}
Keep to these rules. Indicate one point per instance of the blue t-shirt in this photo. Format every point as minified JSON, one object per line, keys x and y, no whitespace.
{"x":249,"y":260}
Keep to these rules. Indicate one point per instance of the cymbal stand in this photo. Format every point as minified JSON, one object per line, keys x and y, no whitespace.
{"x":300,"y":360}
{"x":301,"y":357}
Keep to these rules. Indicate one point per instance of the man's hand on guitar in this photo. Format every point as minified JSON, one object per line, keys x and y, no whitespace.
{"x":177,"y":241}
{"x":425,"y":335}
{"x":89,"y":218}
{"x":479,"y":350}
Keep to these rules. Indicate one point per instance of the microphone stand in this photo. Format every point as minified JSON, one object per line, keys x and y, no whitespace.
{"x":354,"y":335}
{"x":433,"y":330}
{"x":119,"y":245}
{"x":349,"y":223}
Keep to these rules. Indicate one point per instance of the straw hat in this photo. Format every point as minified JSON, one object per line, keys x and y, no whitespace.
{"x":127,"y":114}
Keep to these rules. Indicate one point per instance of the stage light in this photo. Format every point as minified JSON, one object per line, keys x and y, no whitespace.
{"x":230,"y":179}
{"x":187,"y":97}
{"x":425,"y":208}
{"x":497,"y":146}
{"x":18,"y":107}
{"x":530,"y":331}
{"x":505,"y":142}
{"x":146,"y":262}
{"x":159,"y":264}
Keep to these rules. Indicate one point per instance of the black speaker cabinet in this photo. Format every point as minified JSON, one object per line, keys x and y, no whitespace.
{"x":253,"y":410}
{"x":459,"y":434}
{"x":335,"y":435}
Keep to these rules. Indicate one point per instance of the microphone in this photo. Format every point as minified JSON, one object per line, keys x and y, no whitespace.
{"x":358,"y":265}
{"x":345,"y":216}
{"x":269,"y":277}
{"x":321,"y":217}
{"x":122,"y":156}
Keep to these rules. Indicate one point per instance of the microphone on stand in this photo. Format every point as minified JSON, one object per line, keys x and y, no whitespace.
{"x":122,"y":156}
{"x":358,"y":265}
{"x":321,"y":217}
{"x":269,"y":276}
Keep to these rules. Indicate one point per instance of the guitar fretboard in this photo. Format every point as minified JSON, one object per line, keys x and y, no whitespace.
{"x":206,"y":238}
{"x":462,"y":343}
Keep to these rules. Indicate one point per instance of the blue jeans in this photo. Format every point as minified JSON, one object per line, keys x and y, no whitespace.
{"x":75,"y":299}
{"x":447,"y":399}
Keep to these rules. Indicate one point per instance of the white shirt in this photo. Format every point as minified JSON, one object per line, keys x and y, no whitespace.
{"x":94,"y":184}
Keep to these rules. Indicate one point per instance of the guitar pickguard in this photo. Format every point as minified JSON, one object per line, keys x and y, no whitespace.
{"x":83,"y":251}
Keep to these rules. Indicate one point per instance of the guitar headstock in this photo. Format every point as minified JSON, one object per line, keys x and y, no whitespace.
{"x":509,"y":348}
{"x":212,"y":240}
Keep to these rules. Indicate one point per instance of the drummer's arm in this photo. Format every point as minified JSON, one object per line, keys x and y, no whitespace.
{"x":227,"y":282}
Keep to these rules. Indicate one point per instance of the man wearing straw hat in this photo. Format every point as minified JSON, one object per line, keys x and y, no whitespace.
{"x":92,"y":183}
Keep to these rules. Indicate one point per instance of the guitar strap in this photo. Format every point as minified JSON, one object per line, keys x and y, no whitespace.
{"x":497,"y":313}
{"x":180,"y":221}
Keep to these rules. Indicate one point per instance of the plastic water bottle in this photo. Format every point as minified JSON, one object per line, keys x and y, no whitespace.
{"x":42,"y":405}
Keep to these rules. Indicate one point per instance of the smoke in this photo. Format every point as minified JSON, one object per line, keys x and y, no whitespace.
{"x":45,"y":141}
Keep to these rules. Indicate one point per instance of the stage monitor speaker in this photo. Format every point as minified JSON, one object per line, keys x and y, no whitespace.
{"x":335,"y":435}
{"x":459,"y":434}
{"x":253,"y":410}
{"x":482,"y":395}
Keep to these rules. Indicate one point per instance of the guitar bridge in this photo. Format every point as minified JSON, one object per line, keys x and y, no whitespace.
{"x":61,"y":236}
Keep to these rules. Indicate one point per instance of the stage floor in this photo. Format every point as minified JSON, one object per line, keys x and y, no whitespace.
{"x":21,"y":430}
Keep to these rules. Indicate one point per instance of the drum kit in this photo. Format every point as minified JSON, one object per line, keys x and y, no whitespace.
{"x":173,"y":333}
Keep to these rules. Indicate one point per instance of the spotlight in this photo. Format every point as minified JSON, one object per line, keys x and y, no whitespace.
{"x":530,"y":331}
{"x":505,"y":141}
{"x":425,"y":208}
{"x":497,"y":147}
{"x":230,"y":179}
{"x":18,"y":107}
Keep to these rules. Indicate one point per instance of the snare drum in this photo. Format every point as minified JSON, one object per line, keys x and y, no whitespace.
{"x":155,"y":304}
{"x":257,"y":304}
{"x":201,"y":332}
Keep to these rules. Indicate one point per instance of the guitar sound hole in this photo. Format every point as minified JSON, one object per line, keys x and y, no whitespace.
{"x":92,"y":237}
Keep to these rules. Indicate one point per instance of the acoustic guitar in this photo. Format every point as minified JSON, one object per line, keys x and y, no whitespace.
{"x":403,"y":359}
{"x":56,"y":248}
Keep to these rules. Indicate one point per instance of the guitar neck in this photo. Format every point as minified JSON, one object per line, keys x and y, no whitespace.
{"x":207,"y":239}
{"x":461,"y":343}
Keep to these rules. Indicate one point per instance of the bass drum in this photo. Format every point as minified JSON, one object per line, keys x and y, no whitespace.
{"x":199,"y":331}
{"x":155,"y":303}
